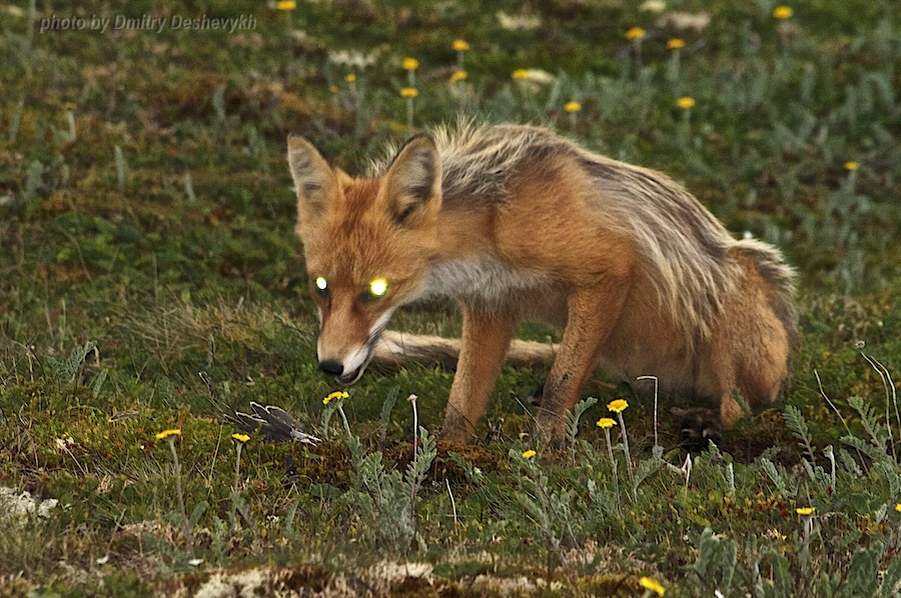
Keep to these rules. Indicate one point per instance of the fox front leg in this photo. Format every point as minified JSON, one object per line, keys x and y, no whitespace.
{"x":486,"y":337}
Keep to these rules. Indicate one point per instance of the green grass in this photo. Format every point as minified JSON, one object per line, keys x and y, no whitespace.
{"x":146,"y":235}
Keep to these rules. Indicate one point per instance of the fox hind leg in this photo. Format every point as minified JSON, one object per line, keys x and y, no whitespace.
{"x":593,"y":311}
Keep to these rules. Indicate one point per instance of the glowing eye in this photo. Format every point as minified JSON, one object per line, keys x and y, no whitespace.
{"x":378,"y":287}
{"x":321,"y":287}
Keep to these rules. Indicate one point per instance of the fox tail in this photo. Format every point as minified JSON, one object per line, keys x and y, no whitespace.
{"x":397,"y":348}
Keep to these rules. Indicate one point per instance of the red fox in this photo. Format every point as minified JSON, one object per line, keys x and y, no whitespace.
{"x":516,"y":222}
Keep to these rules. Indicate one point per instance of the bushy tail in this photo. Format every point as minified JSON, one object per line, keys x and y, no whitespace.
{"x":397,"y":348}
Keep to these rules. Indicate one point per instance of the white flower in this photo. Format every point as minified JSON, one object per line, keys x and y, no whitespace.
{"x":653,"y":6}
{"x":518,"y":22}
{"x":353,"y":59}
{"x":685,"y":21}
{"x":64,"y":443}
{"x":533,"y":76}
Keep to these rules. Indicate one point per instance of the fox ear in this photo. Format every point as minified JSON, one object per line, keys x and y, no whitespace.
{"x":413,"y":182}
{"x":314,"y":180}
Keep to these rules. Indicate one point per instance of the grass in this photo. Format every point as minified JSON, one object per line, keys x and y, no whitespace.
{"x":146,"y":236}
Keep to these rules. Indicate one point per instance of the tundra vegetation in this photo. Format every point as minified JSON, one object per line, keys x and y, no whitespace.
{"x":146,"y":237}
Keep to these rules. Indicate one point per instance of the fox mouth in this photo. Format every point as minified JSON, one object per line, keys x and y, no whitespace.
{"x":349,"y":378}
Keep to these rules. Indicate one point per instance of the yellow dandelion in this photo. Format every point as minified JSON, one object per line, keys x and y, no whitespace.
{"x":898,"y":507}
{"x":685,"y":103}
{"x":350,"y":77}
{"x":635,"y":33}
{"x":528,"y":454}
{"x":459,"y":76}
{"x":242,"y":438}
{"x":852,"y":166}
{"x":783,"y":12}
{"x":410,"y":64}
{"x":618,"y":405}
{"x":520,"y":74}
{"x":337,"y":395}
{"x":572,"y":106}
{"x":653,"y":585}
{"x":409,"y":92}
{"x":333,"y":88}
{"x":675,"y":43}
{"x":286,"y":5}
{"x":804,"y":510}
{"x":460,"y":45}
{"x":167,"y":433}
{"x":606,"y":422}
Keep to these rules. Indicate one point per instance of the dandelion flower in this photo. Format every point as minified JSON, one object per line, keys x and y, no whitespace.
{"x":783,"y":12}
{"x":520,"y":74}
{"x":242,"y":438}
{"x":618,"y":405}
{"x":606,"y":422}
{"x":167,"y":433}
{"x":685,"y":103}
{"x":333,"y":88}
{"x":350,"y":77}
{"x":852,"y":166}
{"x":458,"y":76}
{"x":898,"y":507}
{"x":286,"y":5}
{"x":652,"y":584}
{"x":410,"y":64}
{"x":635,"y":33}
{"x":572,"y":106}
{"x":409,"y":92}
{"x":460,"y":45}
{"x":675,"y":43}
{"x":338,"y":394}
{"x":804,"y":510}
{"x":528,"y":454}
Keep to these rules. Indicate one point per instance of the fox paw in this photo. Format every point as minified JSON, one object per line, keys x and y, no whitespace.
{"x":697,"y":427}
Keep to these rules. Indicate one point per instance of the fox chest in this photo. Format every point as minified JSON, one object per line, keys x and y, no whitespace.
{"x":481,"y":279}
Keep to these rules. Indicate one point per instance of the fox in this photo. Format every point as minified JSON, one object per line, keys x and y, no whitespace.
{"x":516,"y":222}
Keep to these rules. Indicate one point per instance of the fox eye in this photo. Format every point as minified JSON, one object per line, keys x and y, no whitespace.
{"x":377,"y":289}
{"x":321,"y":286}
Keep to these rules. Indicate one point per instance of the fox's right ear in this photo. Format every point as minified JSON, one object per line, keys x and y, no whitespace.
{"x":314,"y":179}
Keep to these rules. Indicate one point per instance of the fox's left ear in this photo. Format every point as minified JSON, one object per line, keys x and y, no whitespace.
{"x":413,"y":183}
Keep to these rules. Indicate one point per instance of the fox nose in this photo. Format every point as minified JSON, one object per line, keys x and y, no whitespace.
{"x":330,"y":366}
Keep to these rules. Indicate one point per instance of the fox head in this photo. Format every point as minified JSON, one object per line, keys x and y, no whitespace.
{"x":367,"y":244}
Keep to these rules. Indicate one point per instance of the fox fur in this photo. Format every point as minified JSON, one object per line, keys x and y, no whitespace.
{"x":516,"y":222}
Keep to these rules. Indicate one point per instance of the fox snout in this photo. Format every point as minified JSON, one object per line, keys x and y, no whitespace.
{"x":330,"y":366}
{"x":346,"y":369}
{"x":345,"y":375}
{"x":346,"y":343}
